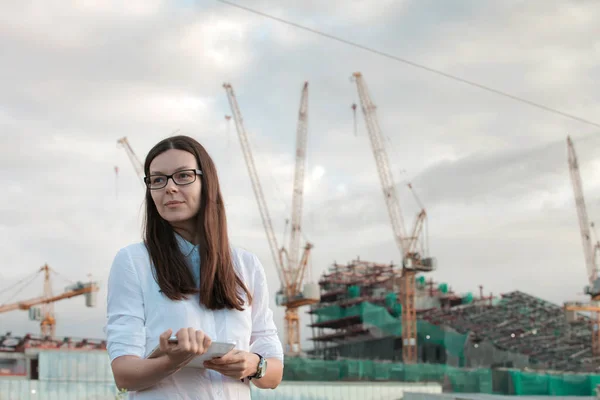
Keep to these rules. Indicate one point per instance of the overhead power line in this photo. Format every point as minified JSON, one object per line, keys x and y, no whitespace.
{"x":414,"y":64}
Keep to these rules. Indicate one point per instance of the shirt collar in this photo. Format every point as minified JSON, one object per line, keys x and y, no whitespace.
{"x":186,"y":247}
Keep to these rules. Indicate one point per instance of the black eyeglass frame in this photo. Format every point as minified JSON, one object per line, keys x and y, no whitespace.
{"x":197,"y":172}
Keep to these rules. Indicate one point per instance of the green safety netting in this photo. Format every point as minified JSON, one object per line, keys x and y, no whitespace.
{"x":390,"y":299}
{"x":454,"y":379}
{"x":379,"y":317}
{"x":552,"y":384}
{"x":468,"y":298}
{"x":353,"y":291}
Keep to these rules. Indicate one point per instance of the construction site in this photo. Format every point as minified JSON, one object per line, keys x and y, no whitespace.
{"x":374,"y":321}
{"x":369,"y":310}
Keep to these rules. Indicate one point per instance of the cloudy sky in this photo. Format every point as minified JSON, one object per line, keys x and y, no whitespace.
{"x":492,"y":172}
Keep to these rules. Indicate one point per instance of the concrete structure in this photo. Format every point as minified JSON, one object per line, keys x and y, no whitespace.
{"x":513,"y":330}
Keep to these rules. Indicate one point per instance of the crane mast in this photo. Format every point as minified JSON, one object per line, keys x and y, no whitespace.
{"x":596,"y":255}
{"x":295,"y":298}
{"x":298,"y":195}
{"x":48,"y":323}
{"x":584,"y":224}
{"x":412,"y":260}
{"x":290,"y":270}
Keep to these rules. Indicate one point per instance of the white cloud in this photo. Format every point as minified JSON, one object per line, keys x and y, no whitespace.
{"x":133,"y":8}
{"x":174,"y":108}
{"x":318,"y":172}
{"x":217,"y":39}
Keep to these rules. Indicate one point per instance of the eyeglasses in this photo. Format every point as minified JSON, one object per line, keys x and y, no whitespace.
{"x":180,"y":178}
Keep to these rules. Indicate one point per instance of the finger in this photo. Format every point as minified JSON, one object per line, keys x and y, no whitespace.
{"x":228,"y":359}
{"x":222,"y":368}
{"x":219,"y":360}
{"x":227,"y":367}
{"x":164,"y":339}
{"x":231,"y":356}
{"x":207,"y":342}
{"x":183,"y":339}
{"x":193,"y":342}
{"x":201,"y":339}
{"x":235,"y":356}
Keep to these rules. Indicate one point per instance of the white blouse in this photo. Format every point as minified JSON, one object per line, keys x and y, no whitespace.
{"x":137,"y":313}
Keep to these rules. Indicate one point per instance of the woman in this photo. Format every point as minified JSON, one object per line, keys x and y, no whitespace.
{"x":184,"y":279}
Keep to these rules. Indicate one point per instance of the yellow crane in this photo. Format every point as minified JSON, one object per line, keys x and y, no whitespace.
{"x":412,"y":246}
{"x":590,"y":252}
{"x":291,"y":268}
{"x":45,"y":314}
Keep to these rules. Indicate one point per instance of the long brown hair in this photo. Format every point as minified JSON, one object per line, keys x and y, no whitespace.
{"x":220,"y":286}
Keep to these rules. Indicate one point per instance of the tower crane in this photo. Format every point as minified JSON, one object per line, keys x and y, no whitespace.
{"x":46,"y":312}
{"x":413,"y":259}
{"x":291,"y":268}
{"x":135,"y":161}
{"x":590,"y":252}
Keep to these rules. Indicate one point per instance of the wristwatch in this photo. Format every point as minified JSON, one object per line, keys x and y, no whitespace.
{"x":262,"y":368}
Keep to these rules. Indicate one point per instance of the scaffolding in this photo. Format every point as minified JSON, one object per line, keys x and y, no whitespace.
{"x":337,"y":317}
{"x":358,"y":317}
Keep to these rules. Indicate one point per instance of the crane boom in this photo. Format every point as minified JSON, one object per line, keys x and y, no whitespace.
{"x":584,"y":225}
{"x":297,"y":198}
{"x":27,"y":304}
{"x":135,"y":161}
{"x":383,"y":164}
{"x":256,"y":186}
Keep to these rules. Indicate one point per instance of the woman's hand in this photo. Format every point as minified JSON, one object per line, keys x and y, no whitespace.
{"x":236,"y":364}
{"x":190,"y":343}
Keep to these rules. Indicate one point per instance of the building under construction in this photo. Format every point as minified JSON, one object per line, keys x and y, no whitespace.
{"x":358,"y":318}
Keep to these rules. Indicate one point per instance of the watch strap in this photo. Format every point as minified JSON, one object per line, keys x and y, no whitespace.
{"x":261,"y":369}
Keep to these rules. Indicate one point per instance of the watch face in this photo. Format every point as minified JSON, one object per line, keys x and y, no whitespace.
{"x":262,"y":367}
